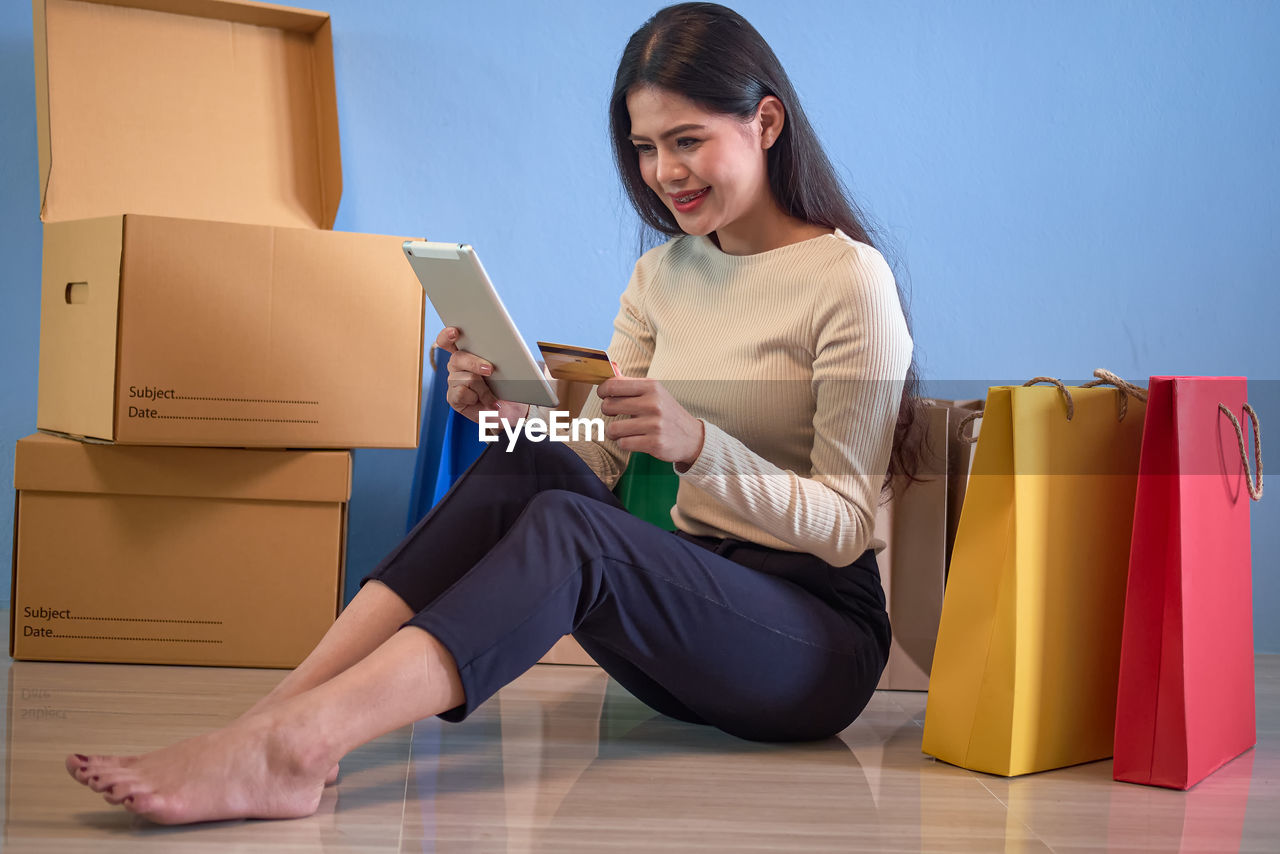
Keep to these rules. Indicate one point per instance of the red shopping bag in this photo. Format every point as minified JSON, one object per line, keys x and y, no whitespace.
{"x":1185,"y":705}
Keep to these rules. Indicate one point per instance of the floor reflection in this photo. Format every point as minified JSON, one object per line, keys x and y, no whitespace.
{"x":1081,"y":808}
{"x":594,"y":768}
{"x":53,"y":709}
{"x":564,"y":760}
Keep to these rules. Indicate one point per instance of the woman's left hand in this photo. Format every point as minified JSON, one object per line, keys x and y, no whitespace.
{"x":658,"y":425}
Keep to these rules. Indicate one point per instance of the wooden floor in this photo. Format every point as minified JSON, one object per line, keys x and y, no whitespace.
{"x":563,"y":760}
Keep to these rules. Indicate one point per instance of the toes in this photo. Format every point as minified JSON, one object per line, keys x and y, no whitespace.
{"x":107,"y":778}
{"x":77,"y":764}
{"x":101,"y":762}
{"x":100,"y":782}
{"x":148,"y":805}
{"x":122,"y":792}
{"x":115,"y":795}
{"x":84,"y":768}
{"x":119,"y":790}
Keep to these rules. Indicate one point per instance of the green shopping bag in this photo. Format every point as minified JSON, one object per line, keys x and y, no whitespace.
{"x":648,"y":489}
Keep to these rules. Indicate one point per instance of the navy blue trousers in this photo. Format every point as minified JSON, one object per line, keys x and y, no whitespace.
{"x":529,"y":545}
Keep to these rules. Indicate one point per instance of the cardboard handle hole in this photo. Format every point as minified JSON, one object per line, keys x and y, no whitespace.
{"x":77,"y":293}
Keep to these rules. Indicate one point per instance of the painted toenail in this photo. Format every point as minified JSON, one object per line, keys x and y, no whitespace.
{"x":82,"y":757}
{"x":93,"y":779}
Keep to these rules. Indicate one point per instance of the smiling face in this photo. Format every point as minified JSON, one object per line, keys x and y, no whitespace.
{"x":709,"y":169}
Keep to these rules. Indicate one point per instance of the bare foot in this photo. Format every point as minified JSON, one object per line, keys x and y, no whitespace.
{"x":253,"y":768}
{"x":270,"y":701}
{"x":78,"y":766}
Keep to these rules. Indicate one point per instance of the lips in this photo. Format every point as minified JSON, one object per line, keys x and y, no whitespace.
{"x":686,"y":202}
{"x":686,"y":198}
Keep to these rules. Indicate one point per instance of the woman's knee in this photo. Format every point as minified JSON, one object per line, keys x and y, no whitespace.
{"x":559,"y":502}
{"x":556,"y":509}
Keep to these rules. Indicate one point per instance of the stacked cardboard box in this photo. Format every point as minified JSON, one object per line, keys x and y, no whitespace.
{"x":175,"y":555}
{"x":194,"y":295}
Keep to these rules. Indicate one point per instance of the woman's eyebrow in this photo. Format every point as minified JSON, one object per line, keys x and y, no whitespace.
{"x":670,"y":133}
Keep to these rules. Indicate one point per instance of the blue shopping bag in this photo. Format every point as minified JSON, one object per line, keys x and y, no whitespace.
{"x":450,"y":444}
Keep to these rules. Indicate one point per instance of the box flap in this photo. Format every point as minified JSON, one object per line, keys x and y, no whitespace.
{"x":208,"y":109}
{"x":53,"y":464}
{"x":79,"y":313}
{"x":13,"y":588}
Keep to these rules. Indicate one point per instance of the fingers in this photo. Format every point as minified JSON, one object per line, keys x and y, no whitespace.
{"x":468,"y":390}
{"x":625,"y":427}
{"x":445,"y":340}
{"x":448,"y":340}
{"x":625,"y":387}
{"x":630,"y":396}
{"x":461,"y":360}
{"x":633,"y":405}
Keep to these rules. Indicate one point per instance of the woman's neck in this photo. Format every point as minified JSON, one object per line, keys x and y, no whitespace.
{"x":772,"y":229}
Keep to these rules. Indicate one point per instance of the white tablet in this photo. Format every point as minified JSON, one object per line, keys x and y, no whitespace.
{"x":464,"y":297}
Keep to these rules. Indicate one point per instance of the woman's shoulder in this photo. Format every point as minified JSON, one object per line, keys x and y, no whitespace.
{"x":855,"y":251}
{"x":854,"y":267}
{"x":856,"y":299}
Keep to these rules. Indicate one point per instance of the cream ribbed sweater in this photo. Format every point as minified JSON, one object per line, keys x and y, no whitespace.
{"x":794,"y":359}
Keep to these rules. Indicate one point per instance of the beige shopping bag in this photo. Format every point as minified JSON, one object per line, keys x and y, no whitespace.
{"x":918,"y":525}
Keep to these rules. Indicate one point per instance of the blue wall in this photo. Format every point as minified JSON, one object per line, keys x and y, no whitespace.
{"x":1067,"y":186}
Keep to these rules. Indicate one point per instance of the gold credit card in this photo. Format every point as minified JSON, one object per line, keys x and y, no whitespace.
{"x":579,"y":364}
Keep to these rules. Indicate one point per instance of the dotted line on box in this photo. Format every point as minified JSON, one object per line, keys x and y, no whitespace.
{"x":247,"y":400}
{"x":150,"y":620}
{"x":219,"y":418}
{"x":153,"y":640}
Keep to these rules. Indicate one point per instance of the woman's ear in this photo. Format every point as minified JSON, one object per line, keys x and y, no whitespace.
{"x":770,"y":116}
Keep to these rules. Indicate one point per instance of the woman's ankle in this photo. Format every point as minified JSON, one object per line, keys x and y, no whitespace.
{"x":307,"y":746}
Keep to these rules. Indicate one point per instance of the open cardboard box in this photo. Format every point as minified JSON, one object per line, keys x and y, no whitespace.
{"x":192,"y":291}
{"x":155,"y":555}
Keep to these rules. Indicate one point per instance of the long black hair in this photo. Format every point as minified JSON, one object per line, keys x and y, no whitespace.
{"x":710,"y":55}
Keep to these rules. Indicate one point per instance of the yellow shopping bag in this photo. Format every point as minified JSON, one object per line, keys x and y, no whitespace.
{"x":1027,"y":658}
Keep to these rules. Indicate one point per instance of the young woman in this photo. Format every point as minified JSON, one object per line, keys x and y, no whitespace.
{"x":764,"y":353}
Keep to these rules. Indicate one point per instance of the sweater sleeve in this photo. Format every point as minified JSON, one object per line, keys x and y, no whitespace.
{"x":631,"y":347}
{"x":862,"y":350}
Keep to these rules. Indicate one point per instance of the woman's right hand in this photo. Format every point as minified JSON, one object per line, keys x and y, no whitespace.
{"x":468,"y":393}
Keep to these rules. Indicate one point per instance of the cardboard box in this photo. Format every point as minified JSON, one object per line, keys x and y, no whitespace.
{"x":192,"y":291}
{"x":175,"y":555}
